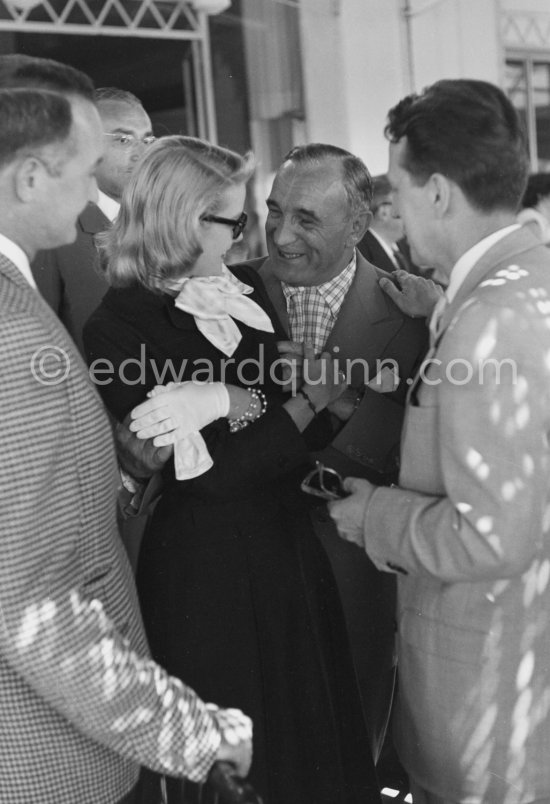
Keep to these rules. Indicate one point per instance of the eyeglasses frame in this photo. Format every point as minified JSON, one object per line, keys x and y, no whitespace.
{"x":238,"y":225}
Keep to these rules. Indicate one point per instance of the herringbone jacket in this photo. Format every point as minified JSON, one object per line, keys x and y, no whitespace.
{"x":81,"y":704}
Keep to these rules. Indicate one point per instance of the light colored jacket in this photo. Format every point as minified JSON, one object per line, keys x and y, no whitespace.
{"x":81,"y":704}
{"x":469,"y":534}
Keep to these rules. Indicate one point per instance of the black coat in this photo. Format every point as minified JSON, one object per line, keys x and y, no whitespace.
{"x":237,"y":596}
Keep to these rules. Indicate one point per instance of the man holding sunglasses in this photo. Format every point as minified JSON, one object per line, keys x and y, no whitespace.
{"x":325,"y":292}
{"x":69,"y":277}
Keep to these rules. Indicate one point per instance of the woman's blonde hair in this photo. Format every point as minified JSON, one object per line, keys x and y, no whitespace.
{"x":154,"y":238}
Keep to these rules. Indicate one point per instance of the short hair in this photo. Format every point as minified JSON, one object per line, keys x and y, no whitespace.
{"x":115,"y":95}
{"x":31,"y":119}
{"x":17,"y":70}
{"x":538,"y":187}
{"x":356,"y":178}
{"x":469,"y":131}
{"x":178,"y":180}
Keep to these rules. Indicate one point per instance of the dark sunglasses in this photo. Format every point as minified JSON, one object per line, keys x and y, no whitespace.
{"x":237,"y":225}
{"x":324,"y":482}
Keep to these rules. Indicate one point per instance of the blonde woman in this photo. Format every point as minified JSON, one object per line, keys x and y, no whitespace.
{"x":237,"y":596}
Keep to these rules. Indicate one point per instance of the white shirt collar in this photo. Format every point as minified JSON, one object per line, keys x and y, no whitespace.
{"x":17,"y":256}
{"x":532,"y":215}
{"x":107,"y":205}
{"x":470,"y":258}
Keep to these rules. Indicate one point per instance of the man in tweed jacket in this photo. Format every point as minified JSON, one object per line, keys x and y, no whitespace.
{"x":81,"y":703}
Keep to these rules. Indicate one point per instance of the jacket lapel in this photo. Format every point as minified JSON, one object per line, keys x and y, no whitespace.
{"x":92,"y":220}
{"x":366,"y":309}
{"x":275,"y":293}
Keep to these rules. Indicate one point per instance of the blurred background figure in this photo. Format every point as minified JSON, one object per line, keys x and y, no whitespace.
{"x":380,"y":243}
{"x":70,"y":277}
{"x":535,"y":211}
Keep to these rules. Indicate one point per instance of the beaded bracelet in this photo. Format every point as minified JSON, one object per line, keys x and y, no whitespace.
{"x":308,"y":400}
{"x":256,"y":408}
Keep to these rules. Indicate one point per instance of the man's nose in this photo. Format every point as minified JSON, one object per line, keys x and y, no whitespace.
{"x":283,"y":231}
{"x":138,"y":147}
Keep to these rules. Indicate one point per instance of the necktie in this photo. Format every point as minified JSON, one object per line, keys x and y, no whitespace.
{"x":399,"y":258}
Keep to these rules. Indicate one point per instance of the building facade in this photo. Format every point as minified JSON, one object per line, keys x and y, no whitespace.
{"x":269,"y":74}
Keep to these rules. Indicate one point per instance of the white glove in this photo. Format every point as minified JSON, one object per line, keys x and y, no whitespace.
{"x":191,"y":457}
{"x":175,"y":410}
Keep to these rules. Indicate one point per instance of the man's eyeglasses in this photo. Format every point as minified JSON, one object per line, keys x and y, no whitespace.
{"x":324,"y":482}
{"x":237,"y":225}
{"x":128,"y":140}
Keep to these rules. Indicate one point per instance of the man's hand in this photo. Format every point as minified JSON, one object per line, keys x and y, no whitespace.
{"x":236,"y":744}
{"x":293,"y":353}
{"x":139,"y":458}
{"x":345,"y":406}
{"x":417,"y":297}
{"x":322,"y":380}
{"x":349,"y":513}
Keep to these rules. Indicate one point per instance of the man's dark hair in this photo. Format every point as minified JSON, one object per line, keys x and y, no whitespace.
{"x":31,"y":119}
{"x":468,"y":131}
{"x":17,"y":70}
{"x":355,"y":175}
{"x":106,"y":94}
{"x":538,"y":186}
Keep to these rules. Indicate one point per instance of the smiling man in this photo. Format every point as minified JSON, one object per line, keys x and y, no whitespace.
{"x":326,"y":293}
{"x":70,"y":277}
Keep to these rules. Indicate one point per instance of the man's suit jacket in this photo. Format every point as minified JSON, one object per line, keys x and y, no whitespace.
{"x":372,"y":251}
{"x":470,"y":536}
{"x":370,"y":332}
{"x":81,"y":705}
{"x":70,"y":278}
{"x":369,"y":328}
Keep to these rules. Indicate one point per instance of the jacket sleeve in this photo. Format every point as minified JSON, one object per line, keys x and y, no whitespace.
{"x":57,"y":632}
{"x":492,"y":443}
{"x":269,"y":448}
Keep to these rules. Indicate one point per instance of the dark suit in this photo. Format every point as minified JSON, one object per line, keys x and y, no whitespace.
{"x":369,"y":327}
{"x":372,"y":251}
{"x":69,"y":277}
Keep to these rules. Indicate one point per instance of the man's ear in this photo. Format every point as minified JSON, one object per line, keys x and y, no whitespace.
{"x":439,"y":189}
{"x":360,"y":224}
{"x":27,"y":177}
